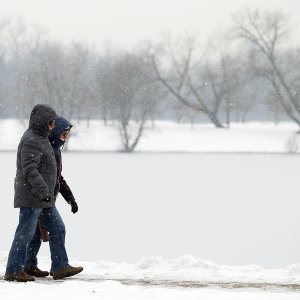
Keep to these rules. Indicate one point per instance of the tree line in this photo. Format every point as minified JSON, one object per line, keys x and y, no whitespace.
{"x":249,"y":71}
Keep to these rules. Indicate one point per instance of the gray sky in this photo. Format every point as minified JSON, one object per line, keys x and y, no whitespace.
{"x":125,"y":22}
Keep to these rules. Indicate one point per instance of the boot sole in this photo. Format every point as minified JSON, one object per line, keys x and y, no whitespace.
{"x":8,"y":279}
{"x":18,"y":280}
{"x":38,"y":276}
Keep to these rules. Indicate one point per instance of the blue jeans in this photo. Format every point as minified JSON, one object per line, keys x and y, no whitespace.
{"x":21,"y":250}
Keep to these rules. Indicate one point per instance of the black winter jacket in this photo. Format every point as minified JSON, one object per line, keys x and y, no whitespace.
{"x":36,"y":165}
{"x":61,"y":185}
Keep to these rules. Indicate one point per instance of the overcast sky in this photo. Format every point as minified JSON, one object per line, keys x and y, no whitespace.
{"x":125,"y":22}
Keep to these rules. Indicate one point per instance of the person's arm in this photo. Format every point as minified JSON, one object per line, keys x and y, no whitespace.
{"x":67,"y":194}
{"x":30,"y":160}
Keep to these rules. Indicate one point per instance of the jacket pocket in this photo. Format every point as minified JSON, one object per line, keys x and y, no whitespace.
{"x":47,"y":169}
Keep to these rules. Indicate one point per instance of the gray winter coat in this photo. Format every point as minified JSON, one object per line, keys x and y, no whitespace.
{"x":36,"y":165}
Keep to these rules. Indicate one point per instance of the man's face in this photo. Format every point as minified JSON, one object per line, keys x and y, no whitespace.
{"x":65,"y":134}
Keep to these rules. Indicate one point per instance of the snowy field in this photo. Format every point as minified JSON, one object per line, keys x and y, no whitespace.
{"x":159,"y":217}
{"x":229,"y":208}
{"x":172,"y":137}
{"x":171,"y":225}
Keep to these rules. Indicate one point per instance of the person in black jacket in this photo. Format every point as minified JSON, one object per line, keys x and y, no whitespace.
{"x":34,"y":195}
{"x":57,"y":139}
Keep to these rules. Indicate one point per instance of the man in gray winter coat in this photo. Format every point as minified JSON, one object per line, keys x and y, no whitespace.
{"x":34,"y":195}
{"x":57,"y":138}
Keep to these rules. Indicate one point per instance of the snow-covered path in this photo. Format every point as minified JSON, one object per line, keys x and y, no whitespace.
{"x":114,"y":290}
{"x":184,"y":278}
{"x":163,"y":283}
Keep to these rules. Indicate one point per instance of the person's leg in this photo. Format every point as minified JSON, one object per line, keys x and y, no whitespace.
{"x":32,"y":250}
{"x":56,"y":228}
{"x":28,"y":218}
{"x":31,"y":261}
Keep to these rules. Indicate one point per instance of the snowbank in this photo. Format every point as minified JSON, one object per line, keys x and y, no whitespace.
{"x":185,"y":268}
{"x":110,"y":286}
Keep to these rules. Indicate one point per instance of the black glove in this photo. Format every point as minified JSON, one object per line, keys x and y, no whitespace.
{"x":74,"y":207}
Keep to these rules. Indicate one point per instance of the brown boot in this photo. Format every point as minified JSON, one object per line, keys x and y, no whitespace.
{"x":20,"y":276}
{"x":35,"y":271}
{"x":66,"y":272}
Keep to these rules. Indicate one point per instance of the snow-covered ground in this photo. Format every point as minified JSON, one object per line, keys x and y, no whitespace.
{"x":151,"y":278}
{"x":114,"y":290}
{"x":182,"y":269}
{"x":232,"y":209}
{"x":168,"y":216}
{"x":172,"y":137}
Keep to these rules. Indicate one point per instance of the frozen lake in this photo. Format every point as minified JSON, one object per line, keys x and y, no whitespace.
{"x":228,"y":208}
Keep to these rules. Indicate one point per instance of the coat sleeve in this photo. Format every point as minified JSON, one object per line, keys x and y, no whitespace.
{"x":65,"y":190}
{"x":30,"y":160}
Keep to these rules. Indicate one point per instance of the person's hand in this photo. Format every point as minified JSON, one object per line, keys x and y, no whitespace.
{"x":74,"y":207}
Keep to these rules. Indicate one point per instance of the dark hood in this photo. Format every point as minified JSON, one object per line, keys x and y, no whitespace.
{"x":40,"y":117}
{"x":60,"y":125}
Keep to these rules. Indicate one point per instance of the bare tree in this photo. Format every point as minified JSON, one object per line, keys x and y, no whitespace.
{"x":50,"y":76}
{"x":102,"y":89}
{"x":19,"y":46}
{"x":3,"y":84}
{"x":79,"y":75}
{"x":132,"y":90}
{"x":63,"y":78}
{"x":266,"y":31}
{"x":185,"y":79}
{"x":223,"y":74}
{"x":249,"y":92}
